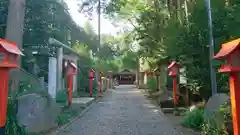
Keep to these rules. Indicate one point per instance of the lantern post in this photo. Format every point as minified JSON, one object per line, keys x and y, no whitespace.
{"x":173,"y":72}
{"x":110,"y":79}
{"x":71,"y":71}
{"x":91,"y":77}
{"x":9,"y":54}
{"x":141,"y":79}
{"x":157,"y":74}
{"x":230,"y":53}
{"x":100,"y":82}
{"x":150,"y":73}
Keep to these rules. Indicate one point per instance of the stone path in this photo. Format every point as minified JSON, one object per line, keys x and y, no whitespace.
{"x":123,"y":111}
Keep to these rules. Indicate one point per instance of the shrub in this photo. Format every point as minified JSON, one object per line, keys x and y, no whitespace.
{"x":194,"y":119}
{"x":66,"y":116}
{"x":209,"y":128}
{"x":12,"y":125}
{"x":221,"y":123}
{"x":152,"y":83}
{"x":62,"y":96}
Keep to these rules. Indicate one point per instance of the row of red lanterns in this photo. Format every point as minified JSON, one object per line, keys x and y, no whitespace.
{"x":91,"y":78}
{"x":230,"y":53}
{"x":9,"y":54}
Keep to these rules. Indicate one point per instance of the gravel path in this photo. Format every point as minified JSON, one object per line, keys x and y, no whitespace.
{"x":122,"y":111}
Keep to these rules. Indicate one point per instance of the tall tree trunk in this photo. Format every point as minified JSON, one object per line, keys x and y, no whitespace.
{"x":14,"y":31}
{"x":179,"y":16}
{"x":186,"y":10}
{"x":15,"y":22}
{"x":158,"y":82}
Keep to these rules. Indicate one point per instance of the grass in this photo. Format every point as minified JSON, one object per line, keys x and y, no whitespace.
{"x":66,"y":116}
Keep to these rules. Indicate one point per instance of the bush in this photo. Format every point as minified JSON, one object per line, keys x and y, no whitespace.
{"x":62,"y":96}
{"x":194,"y":119}
{"x":66,"y":116}
{"x":209,"y":128}
{"x":12,"y":125}
{"x":221,"y":124}
{"x":152,"y":83}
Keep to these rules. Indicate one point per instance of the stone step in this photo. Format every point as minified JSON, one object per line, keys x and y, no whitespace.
{"x":170,"y":110}
{"x":82,"y":102}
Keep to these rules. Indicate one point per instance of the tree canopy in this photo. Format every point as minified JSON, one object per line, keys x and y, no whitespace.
{"x":178,"y":30}
{"x":163,"y":30}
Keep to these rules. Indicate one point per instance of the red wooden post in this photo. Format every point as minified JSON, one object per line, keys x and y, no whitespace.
{"x":230,"y":52}
{"x":9,"y":54}
{"x":150,"y":73}
{"x":70,"y":87}
{"x":3,"y":95}
{"x":71,"y":72}
{"x":91,"y":77}
{"x":235,"y":94}
{"x":173,"y":72}
{"x":100,"y":82}
{"x":90,"y":87}
{"x":175,"y":95}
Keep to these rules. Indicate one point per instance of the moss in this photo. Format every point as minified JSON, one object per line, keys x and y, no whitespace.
{"x":66,"y":116}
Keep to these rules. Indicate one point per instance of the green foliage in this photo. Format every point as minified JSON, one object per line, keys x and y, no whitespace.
{"x":165,"y":29}
{"x":66,"y":116}
{"x":3,"y":18}
{"x":194,"y":119}
{"x":62,"y":96}
{"x":129,"y":60}
{"x":82,"y":93}
{"x":13,"y":127}
{"x":152,"y":83}
{"x":45,"y":19}
{"x":95,"y":86}
{"x":221,"y":123}
{"x":209,"y":129}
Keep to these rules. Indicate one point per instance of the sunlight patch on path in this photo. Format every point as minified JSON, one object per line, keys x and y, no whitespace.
{"x":127,"y":92}
{"x":149,"y":105}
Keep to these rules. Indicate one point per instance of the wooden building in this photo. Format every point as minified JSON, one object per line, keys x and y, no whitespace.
{"x":125,"y":77}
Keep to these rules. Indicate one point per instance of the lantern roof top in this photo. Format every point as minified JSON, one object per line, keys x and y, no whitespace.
{"x":173,"y":63}
{"x":157,"y":69}
{"x":227,"y":48}
{"x":73,"y":65}
{"x":10,"y":47}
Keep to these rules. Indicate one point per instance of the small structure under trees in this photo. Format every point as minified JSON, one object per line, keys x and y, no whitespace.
{"x":125,"y":77}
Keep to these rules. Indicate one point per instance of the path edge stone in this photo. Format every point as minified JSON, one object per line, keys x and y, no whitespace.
{"x":189,"y":129}
{"x":86,"y":109}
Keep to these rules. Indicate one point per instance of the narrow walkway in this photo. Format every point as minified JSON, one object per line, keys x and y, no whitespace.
{"x":123,"y":111}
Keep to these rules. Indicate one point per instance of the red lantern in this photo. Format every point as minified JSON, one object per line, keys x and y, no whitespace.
{"x":91,"y":77}
{"x":91,"y":73}
{"x":100,"y":82}
{"x":9,"y":54}
{"x":230,"y":53}
{"x":71,"y":71}
{"x":99,"y":76}
{"x":173,"y":72}
{"x":173,"y":69}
